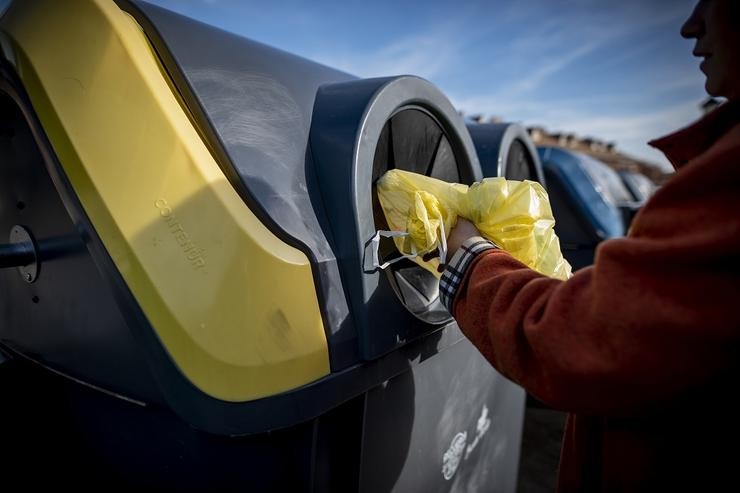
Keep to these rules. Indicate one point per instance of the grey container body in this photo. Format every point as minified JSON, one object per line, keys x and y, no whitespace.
{"x":299,"y":142}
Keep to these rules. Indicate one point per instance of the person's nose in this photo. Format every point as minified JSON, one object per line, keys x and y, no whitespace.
{"x":694,"y":25}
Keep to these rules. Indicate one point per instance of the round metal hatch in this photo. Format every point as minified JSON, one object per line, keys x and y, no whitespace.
{"x":359,"y":130}
{"x":520,"y":163}
{"x":413,"y":140}
{"x":505,"y":149}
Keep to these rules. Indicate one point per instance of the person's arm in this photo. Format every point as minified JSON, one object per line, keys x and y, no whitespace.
{"x":648,"y":322}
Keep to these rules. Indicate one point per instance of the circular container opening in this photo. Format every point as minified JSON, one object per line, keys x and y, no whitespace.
{"x":520,"y":164}
{"x":413,"y":140}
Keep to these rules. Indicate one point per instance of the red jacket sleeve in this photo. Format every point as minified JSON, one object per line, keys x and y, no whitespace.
{"x":655,"y":317}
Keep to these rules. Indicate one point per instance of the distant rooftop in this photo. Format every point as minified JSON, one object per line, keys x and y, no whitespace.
{"x":604,"y":151}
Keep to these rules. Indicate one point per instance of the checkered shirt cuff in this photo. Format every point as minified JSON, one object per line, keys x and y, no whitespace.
{"x":455,"y":270}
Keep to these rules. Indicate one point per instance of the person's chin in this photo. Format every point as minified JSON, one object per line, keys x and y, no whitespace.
{"x":712,"y":88}
{"x":717,"y":84}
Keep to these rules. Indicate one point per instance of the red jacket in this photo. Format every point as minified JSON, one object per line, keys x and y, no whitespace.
{"x":642,"y":347}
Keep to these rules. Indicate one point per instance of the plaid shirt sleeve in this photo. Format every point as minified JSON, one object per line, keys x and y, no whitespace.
{"x":455,"y":270}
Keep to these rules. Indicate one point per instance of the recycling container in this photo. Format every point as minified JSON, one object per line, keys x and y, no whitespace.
{"x":589,"y":202}
{"x":640,"y":187}
{"x":506,"y":149}
{"x":187,"y":301}
{"x":614,"y":189}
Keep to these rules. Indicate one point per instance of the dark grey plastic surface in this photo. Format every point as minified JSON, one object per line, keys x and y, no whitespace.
{"x":254,"y":104}
{"x":67,"y":317}
{"x":505,"y":149}
{"x":412,"y":421}
{"x":95,"y":331}
{"x":392,"y":438}
{"x":108,"y":342}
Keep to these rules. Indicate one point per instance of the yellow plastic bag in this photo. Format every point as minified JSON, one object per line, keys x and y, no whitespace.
{"x":515,"y":215}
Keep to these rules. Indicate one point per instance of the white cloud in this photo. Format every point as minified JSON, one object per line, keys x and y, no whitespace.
{"x":630,"y":130}
{"x":538,"y":76}
{"x":422,"y":55}
{"x":552,"y":47}
{"x":561,"y":40}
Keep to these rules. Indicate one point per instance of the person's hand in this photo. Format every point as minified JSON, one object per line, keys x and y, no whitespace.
{"x":463,"y":230}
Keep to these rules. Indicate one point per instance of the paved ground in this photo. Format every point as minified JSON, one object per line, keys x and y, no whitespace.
{"x":543,"y":433}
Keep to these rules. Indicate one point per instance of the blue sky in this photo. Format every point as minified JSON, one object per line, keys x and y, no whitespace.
{"x":616,"y":70}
